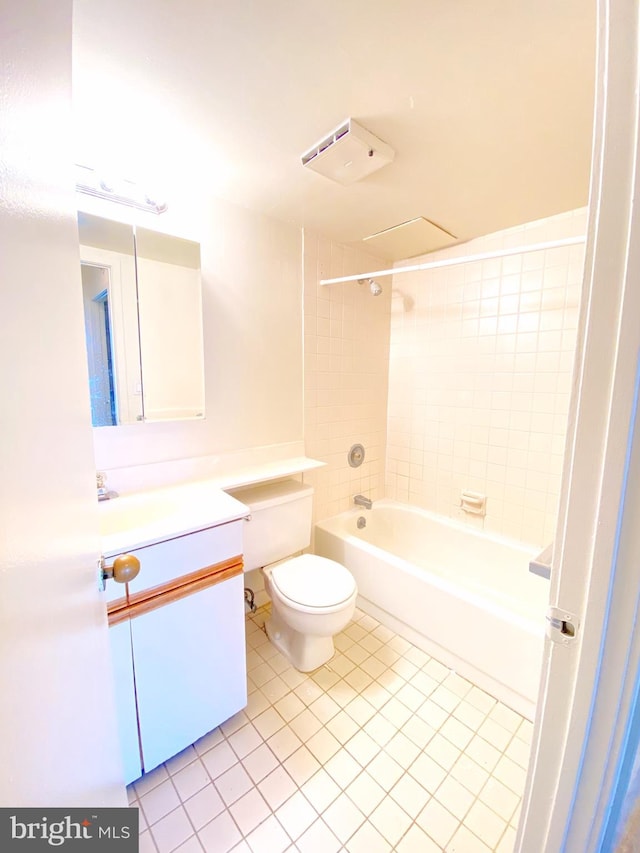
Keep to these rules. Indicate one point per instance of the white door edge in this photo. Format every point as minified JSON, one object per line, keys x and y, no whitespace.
{"x":586,"y":688}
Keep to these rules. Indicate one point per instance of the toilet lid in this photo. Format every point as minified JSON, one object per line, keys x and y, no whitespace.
{"x":313,"y":581}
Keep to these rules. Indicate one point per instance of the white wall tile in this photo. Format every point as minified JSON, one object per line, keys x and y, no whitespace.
{"x":480,"y":367}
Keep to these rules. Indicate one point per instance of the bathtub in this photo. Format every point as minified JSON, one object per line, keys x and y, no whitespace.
{"x":465,"y":597}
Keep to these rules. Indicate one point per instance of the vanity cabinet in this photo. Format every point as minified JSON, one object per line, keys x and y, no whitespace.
{"x":178,"y":643}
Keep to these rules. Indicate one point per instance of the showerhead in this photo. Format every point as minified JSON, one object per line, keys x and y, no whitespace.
{"x":374,"y":287}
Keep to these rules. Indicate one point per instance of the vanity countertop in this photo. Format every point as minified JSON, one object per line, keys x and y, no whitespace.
{"x":144,"y":518}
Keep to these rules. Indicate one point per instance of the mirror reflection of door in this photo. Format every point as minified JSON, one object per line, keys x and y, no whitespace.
{"x":143,"y":311}
{"x":97,"y":322}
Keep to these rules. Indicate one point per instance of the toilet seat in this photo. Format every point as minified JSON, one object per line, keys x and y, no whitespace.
{"x":309,"y":582}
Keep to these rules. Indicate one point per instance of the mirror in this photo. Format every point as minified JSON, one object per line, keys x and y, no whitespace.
{"x":142,"y":299}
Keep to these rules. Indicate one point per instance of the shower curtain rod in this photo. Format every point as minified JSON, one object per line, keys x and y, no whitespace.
{"x":466,"y":259}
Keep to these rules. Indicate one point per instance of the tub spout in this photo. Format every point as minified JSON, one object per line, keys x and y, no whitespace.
{"x":360,"y":500}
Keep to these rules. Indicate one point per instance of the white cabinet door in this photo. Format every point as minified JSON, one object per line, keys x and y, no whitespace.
{"x":190,"y":668}
{"x":125,"y":694}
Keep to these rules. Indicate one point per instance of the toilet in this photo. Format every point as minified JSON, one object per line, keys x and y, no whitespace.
{"x":312,"y":598}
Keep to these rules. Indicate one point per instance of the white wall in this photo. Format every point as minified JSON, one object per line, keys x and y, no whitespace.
{"x":479,"y":379}
{"x":346,"y":333}
{"x":252,"y":316}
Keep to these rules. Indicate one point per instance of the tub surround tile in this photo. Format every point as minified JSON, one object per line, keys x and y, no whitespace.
{"x":392,"y":752}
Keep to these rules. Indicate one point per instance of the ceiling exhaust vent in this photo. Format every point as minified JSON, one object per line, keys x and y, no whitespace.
{"x":348,"y":154}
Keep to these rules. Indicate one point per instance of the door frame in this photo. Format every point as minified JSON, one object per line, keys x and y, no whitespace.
{"x":581,"y":740}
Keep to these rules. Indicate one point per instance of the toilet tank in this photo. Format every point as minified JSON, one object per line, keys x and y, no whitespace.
{"x":280,"y":523}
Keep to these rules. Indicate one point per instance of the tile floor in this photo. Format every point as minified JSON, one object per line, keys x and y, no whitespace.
{"x":381,"y":749}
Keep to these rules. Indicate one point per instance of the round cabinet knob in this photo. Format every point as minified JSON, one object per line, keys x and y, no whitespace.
{"x":124,"y":569}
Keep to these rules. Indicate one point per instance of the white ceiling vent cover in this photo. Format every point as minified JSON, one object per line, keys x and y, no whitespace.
{"x":348,"y":154}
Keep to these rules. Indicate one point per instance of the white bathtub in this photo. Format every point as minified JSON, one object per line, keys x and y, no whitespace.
{"x":465,"y":597}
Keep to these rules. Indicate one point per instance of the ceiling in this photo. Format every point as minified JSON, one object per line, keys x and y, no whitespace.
{"x":487,"y":103}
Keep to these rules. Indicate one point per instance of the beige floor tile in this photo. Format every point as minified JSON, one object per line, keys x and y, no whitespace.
{"x":219,"y":759}
{"x":232,"y":784}
{"x":368,"y":840}
{"x":437,"y":822}
{"x":380,"y":729}
{"x":385,"y":770}
{"x":510,"y":774}
{"x":362,"y":747}
{"x":342,"y":726}
{"x":432,"y":714}
{"x":277,"y":787}
{"x":465,"y":841}
{"x":456,"y":732}
{"x":365,"y":792}
{"x":442,"y":751}
{"x":268,"y":722}
{"x":284,"y":743}
{"x":172,"y":830}
{"x":358,"y":679}
{"x":469,"y":774}
{"x":325,"y":677}
{"x":323,"y":745}
{"x":275,"y":689}
{"x":518,"y":751}
{"x":390,"y":820}
{"x":146,"y":843}
{"x":483,"y":753}
{"x":427,"y":773}
{"x":418,"y":731}
{"x":220,"y":835}
{"x":415,"y":840}
{"x":245,"y":740}
{"x":159,"y":801}
{"x":410,"y":795}
{"x":454,"y":797}
{"x":305,"y":725}
{"x":343,"y":768}
{"x":324,"y":708}
{"x":301,"y":766}
{"x":190,"y":779}
{"x":499,"y":798}
{"x":468,"y":714}
{"x":249,"y":811}
{"x":204,"y":806}
{"x":318,"y":839}
{"x":321,"y":790}
{"x":296,"y":815}
{"x":360,"y":710}
{"x":485,"y":823}
{"x":505,"y":717}
{"x":343,"y":818}
{"x":260,"y":763}
{"x":507,"y":842}
{"x":495,"y":734}
{"x":192,"y":845}
{"x":269,"y":837}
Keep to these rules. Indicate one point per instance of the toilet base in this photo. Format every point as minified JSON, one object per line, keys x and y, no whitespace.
{"x":305,"y":652}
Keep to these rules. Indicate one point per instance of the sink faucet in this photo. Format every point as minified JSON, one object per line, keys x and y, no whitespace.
{"x":103,"y":493}
{"x":360,"y":500}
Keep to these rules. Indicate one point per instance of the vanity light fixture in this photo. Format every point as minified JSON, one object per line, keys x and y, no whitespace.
{"x":122,"y":191}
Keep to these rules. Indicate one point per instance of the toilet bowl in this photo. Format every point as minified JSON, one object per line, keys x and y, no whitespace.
{"x":312,"y":599}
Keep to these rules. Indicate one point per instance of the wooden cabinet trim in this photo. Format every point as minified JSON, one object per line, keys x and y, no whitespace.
{"x":158,"y":596}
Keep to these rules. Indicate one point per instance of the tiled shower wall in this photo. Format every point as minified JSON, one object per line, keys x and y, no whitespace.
{"x":346,"y":339}
{"x":481,"y":359}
